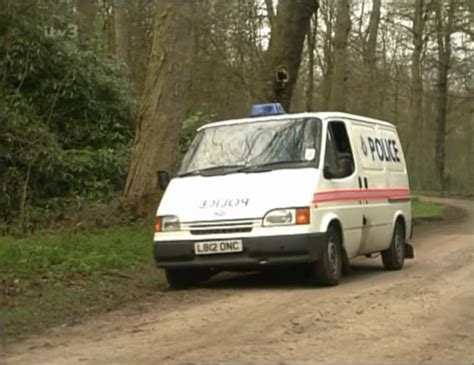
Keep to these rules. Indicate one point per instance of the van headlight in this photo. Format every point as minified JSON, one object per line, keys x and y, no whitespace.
{"x":167,"y":223}
{"x":284,"y":217}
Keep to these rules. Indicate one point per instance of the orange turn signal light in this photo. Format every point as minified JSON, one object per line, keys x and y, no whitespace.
{"x":157,"y":224}
{"x":302,"y":216}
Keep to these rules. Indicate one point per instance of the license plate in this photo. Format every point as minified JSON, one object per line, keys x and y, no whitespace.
{"x":214,"y":247}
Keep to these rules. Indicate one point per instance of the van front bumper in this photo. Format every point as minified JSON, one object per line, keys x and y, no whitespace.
{"x":257,"y":252}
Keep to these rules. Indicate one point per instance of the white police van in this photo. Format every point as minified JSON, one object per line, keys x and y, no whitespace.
{"x":315,"y":189}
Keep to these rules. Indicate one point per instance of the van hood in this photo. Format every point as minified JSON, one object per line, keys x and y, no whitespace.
{"x":238,"y":195}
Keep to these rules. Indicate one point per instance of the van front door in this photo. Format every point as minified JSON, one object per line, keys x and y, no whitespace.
{"x":340,"y":184}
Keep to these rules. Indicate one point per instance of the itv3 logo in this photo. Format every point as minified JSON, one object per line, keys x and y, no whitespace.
{"x":70,"y":31}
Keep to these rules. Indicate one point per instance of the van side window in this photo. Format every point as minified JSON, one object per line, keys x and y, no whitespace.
{"x":339,"y":157}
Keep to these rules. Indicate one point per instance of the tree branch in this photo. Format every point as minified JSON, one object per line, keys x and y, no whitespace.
{"x":270,"y":13}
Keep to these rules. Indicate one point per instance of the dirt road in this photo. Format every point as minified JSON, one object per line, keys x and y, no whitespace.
{"x":424,"y":313}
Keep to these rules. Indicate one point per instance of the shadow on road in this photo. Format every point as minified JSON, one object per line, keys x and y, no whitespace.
{"x":289,"y":278}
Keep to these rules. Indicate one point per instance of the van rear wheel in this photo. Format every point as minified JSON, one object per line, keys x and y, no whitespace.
{"x":394,"y":257}
{"x":328,"y":269}
{"x":186,"y":278}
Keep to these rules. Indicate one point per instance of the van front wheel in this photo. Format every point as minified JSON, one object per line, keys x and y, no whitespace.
{"x":394,"y":257}
{"x":328,"y":269}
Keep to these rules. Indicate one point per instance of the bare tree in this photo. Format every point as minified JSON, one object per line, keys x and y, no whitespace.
{"x":444,"y":29}
{"x":416,"y":100}
{"x":140,"y":38}
{"x":122,"y":30}
{"x":87,"y":11}
{"x":163,"y":105}
{"x":311,"y":42}
{"x":369,"y":56}
{"x":107,"y":24}
{"x":470,"y":134}
{"x":470,"y":142}
{"x":337,"y":100}
{"x":283,"y":57}
{"x":326,"y":64}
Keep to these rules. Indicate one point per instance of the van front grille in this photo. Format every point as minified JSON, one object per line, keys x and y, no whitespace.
{"x":221,"y":227}
{"x":221,"y":230}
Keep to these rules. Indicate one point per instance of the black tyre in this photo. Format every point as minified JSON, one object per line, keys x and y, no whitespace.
{"x":328,"y":270}
{"x":186,"y":278}
{"x":394,"y":257}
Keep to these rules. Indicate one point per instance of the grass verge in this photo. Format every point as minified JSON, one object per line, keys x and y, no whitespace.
{"x":48,"y":280}
{"x":426,"y":210}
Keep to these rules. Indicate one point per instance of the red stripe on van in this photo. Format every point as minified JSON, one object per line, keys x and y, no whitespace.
{"x":361,"y":194}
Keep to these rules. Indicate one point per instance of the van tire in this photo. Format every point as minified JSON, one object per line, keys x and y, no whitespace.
{"x":327,"y":270}
{"x":393,"y":258}
{"x":186,"y":278}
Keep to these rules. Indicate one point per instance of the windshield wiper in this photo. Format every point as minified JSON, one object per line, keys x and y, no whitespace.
{"x":214,"y":170}
{"x":268,"y":166}
{"x":228,"y":169}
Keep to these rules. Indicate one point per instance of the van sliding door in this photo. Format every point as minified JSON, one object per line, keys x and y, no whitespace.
{"x":377,"y":218}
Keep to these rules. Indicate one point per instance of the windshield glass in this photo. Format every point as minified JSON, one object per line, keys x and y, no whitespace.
{"x":279,"y":143}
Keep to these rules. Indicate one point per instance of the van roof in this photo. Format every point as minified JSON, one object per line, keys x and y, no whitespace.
{"x":321,"y":115}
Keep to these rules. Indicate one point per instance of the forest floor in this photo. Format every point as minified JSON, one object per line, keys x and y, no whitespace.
{"x":423,"y":313}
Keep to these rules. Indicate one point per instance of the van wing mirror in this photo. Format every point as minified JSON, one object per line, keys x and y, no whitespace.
{"x":163,"y":179}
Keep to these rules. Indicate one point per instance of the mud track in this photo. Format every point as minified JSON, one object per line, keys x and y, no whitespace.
{"x":424,"y":313}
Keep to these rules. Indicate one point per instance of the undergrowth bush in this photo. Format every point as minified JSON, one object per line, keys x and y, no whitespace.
{"x":65,"y":114}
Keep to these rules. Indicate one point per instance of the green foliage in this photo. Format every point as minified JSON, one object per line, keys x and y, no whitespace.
{"x":65,"y":254}
{"x":190,"y":125}
{"x":65,"y":111}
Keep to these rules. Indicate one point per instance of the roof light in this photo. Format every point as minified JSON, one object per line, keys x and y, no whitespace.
{"x":262,"y":110}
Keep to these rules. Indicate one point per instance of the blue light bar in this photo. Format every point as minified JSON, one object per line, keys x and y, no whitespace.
{"x":262,"y":110}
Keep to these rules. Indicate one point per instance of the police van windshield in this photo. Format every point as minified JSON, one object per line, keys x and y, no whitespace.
{"x":253,"y":147}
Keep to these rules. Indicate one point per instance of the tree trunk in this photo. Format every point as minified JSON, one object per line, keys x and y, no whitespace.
{"x":140,"y":12}
{"x":283,"y":57}
{"x":416,"y":100}
{"x":311,"y":40}
{"x":470,"y":149}
{"x":164,"y":102}
{"x":108,"y":25}
{"x":328,"y":17}
{"x":443,"y":33}
{"x":337,"y":100}
{"x":87,"y":12}
{"x":369,"y":96}
{"x":270,"y":12}
{"x":122,"y":23}
{"x":396,"y":96}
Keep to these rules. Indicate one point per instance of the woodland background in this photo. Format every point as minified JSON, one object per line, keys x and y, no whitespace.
{"x":97,"y":95}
